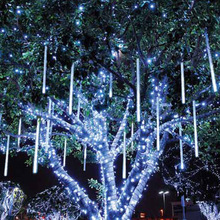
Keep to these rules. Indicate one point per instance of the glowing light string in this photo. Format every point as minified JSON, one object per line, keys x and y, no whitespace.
{"x":181,"y":147}
{"x":195,"y":130}
{"x":45,"y":70}
{"x":64,"y":154}
{"x":138,"y":91}
{"x":158,"y":124}
{"x":182,"y":83}
{"x":84,"y":157}
{"x":48,"y":125}
{"x":71,"y":90}
{"x":19,"y":132}
{"x":132,"y":134}
{"x":6,"y":156}
{"x":214,"y":85}
{"x":110,"y":86}
{"x":35,"y":163}
{"x":124,"y":157}
{"x":79,"y":103}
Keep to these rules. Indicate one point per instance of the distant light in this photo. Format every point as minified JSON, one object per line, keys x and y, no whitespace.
{"x":152,"y":5}
{"x":135,"y":6}
{"x":18,"y":11}
{"x":81,"y":8}
{"x":3,"y":30}
{"x":216,"y":55}
{"x":10,"y":55}
{"x":77,"y":22}
{"x":164,"y":15}
{"x":25,"y":36}
{"x":149,"y":61}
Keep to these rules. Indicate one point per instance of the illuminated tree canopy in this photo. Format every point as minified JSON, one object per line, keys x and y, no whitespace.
{"x":101,"y":47}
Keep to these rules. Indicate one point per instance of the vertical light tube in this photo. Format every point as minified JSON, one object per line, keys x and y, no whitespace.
{"x":158,"y":124}
{"x":71,"y":90}
{"x":48,"y":125}
{"x":181,"y":147}
{"x":195,"y":130}
{"x":6,"y":156}
{"x":138,"y":92}
{"x":132,"y":134}
{"x":35,"y":164}
{"x":45,"y":70}
{"x":64,"y":153}
{"x":124,"y":158}
{"x":84,"y":157}
{"x":78,"y":108}
{"x":182,"y":83}
{"x":19,"y":132}
{"x":110,"y":86}
{"x":210,"y":63}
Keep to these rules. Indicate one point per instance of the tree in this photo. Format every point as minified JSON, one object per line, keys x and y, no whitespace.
{"x":103,"y":39}
{"x":210,"y":211}
{"x":54,"y":204}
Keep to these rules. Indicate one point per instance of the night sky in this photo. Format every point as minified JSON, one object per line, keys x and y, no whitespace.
{"x":32,"y":184}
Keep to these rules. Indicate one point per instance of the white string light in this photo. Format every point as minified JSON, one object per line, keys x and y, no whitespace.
{"x":158,"y":124}
{"x":211,"y":63}
{"x":35,"y":163}
{"x":71,"y":90}
{"x":19,"y":132}
{"x":64,"y":154}
{"x":132,"y":134}
{"x":181,"y":147}
{"x":45,"y":70}
{"x":48,"y":125}
{"x":182,"y":83}
{"x":6,"y":156}
{"x":84,"y":157}
{"x":138,"y":92}
{"x":195,"y":130}
{"x":124,"y":157}
{"x":110,"y":86}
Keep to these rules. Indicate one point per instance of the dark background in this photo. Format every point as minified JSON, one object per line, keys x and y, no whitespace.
{"x":31,"y":184}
